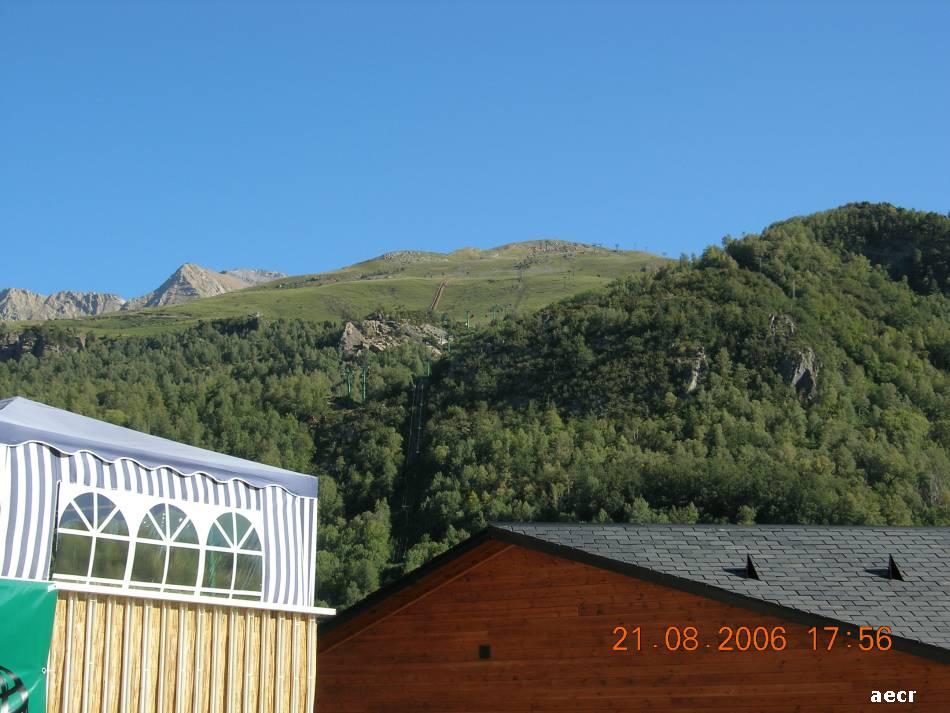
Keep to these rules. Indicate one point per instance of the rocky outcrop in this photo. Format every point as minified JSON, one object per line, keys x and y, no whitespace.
{"x":380,"y":334}
{"x":698,"y":365}
{"x":352,"y":342}
{"x":800,"y":368}
{"x":412,"y":256}
{"x":17,"y":304}
{"x":798,"y":364}
{"x":38,"y":342}
{"x":539,"y":251}
{"x":251,"y":276}
{"x":781,"y":326}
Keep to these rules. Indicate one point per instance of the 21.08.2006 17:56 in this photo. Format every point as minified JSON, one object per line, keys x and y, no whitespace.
{"x":751,"y":639}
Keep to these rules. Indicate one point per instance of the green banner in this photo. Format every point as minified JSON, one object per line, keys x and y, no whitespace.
{"x":26,"y":626}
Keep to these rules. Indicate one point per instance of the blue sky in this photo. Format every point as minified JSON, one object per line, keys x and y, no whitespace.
{"x":305,"y":136}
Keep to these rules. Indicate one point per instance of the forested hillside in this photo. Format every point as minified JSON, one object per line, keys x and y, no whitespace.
{"x":800,"y":375}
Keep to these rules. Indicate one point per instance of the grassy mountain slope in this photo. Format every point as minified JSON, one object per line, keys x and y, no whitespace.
{"x":784,"y":377}
{"x":509,"y":279}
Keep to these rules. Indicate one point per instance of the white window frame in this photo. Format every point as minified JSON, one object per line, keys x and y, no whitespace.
{"x":134,"y":507}
{"x":167,"y":544}
{"x":95,"y":534}
{"x":234,"y":551}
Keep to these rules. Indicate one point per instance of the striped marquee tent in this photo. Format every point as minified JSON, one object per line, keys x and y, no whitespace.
{"x":106,"y":512}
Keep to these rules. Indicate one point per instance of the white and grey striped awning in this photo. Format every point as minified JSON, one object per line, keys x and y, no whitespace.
{"x":36,"y":463}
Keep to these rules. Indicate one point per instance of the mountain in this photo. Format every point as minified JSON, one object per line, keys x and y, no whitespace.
{"x":799,"y":375}
{"x":17,"y":304}
{"x":468,"y":285}
{"x":251,"y":276}
{"x":187,"y":283}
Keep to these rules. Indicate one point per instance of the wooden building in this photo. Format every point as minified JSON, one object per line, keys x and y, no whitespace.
{"x":185,"y":578}
{"x":572,"y":617}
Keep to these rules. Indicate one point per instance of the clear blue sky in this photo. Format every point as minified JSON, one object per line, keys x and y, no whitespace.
{"x":135,"y":136}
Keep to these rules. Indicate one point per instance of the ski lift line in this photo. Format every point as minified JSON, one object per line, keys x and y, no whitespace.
{"x":438,"y":296}
{"x":422,"y":394}
{"x":413,"y":448}
{"x":412,"y":408}
{"x":405,"y":471}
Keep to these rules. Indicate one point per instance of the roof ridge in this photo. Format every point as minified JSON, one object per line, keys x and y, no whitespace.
{"x":706,"y":525}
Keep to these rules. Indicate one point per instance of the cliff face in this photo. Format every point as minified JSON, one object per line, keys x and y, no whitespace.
{"x":17,"y":304}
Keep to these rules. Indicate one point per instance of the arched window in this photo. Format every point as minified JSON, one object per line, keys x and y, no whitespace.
{"x":233,"y":559}
{"x":92,"y":542}
{"x":166,"y":550}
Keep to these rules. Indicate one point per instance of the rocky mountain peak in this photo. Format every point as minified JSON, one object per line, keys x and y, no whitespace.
{"x":20,"y":304}
{"x":188,"y":282}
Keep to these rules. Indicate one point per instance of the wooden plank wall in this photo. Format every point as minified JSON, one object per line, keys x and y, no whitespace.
{"x":549,"y":622}
{"x":118,"y":654}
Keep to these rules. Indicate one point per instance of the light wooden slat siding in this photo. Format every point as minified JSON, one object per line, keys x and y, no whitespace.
{"x":54,"y":679}
{"x":114,"y":673}
{"x":135,"y":658}
{"x":185,"y":684}
{"x":121,"y":654}
{"x":76,"y":635}
{"x":199,"y":688}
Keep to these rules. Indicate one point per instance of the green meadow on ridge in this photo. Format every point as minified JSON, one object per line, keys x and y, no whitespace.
{"x":478,"y":284}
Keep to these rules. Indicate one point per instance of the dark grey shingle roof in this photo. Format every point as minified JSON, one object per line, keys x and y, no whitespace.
{"x":834,"y":572}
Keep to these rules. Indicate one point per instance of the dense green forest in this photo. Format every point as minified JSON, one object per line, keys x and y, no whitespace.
{"x":799,"y":375}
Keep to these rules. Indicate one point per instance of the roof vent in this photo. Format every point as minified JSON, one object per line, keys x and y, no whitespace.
{"x":750,"y":571}
{"x":892,"y":571}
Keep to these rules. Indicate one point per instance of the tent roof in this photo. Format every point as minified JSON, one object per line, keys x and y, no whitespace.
{"x":23,"y":421}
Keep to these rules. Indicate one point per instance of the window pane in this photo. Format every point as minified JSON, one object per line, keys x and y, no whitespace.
{"x":252,"y":542}
{"x":110,"y":558}
{"x":71,"y":519}
{"x":188,"y":534}
{"x":160,"y":513}
{"x":149,"y":565}
{"x":104,"y":506}
{"x":175,"y":518}
{"x":218,"y":567}
{"x":148,"y":531}
{"x":216,"y":538}
{"x":242,"y":525}
{"x":247,"y":575}
{"x":116,"y":526}
{"x":182,"y":567}
{"x":86,"y":503}
{"x":226,"y":523}
{"x":72,"y":554}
